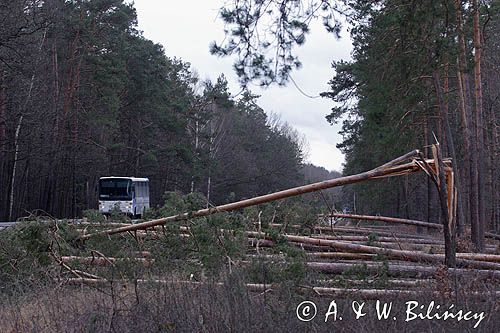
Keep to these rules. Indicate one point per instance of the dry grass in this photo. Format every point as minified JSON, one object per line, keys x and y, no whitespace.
{"x":209,"y":308}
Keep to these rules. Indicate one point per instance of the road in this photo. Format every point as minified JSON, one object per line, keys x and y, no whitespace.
{"x":4,"y":225}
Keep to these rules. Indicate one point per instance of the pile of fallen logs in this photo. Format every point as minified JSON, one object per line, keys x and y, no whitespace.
{"x":409,"y":261}
{"x":409,"y":258}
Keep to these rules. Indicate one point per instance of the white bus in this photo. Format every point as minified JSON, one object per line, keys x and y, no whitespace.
{"x":128,"y":194}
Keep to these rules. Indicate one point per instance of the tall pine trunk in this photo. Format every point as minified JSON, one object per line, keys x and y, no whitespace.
{"x":3,"y":145}
{"x":464,"y":116}
{"x":479,"y":136}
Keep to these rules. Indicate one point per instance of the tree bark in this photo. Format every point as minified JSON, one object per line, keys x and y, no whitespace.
{"x":464,"y":109}
{"x":443,"y":110}
{"x":3,"y":113}
{"x":479,"y":130}
{"x":14,"y":166}
{"x":398,"y":270}
{"x":4,"y":178}
{"x":446,"y":203}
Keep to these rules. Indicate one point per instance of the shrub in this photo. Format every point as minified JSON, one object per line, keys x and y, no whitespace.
{"x":93,"y":215}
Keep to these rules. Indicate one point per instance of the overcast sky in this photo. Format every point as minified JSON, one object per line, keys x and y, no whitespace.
{"x":186,"y":29}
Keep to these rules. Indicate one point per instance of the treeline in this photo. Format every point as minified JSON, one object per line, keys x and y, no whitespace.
{"x":83,"y":95}
{"x":423,"y":70}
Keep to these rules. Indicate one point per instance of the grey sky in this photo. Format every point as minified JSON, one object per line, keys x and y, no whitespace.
{"x":186,"y":28}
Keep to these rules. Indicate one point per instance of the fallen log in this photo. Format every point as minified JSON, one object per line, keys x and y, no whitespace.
{"x":479,"y":256}
{"x":401,"y":270}
{"x":492,"y":235}
{"x":260,"y":242}
{"x":390,"y":253}
{"x":310,"y":247}
{"x":326,"y":253}
{"x":399,"y":283}
{"x":423,"y":248}
{"x":386,"y":219}
{"x":340,"y":255}
{"x":368,"y":231}
{"x":100,"y":224}
{"x":107,"y":261}
{"x":402,"y":246}
{"x":355,"y":230}
{"x":422,"y":241}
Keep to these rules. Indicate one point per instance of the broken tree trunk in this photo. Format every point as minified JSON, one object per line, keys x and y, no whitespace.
{"x":446,"y":190}
{"x":387,"y":170}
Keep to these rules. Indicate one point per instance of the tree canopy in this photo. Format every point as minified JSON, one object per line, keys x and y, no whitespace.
{"x":420,"y":71}
{"x":84,"y":94}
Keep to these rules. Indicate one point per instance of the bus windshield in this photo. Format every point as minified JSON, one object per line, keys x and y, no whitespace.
{"x":115,"y":189}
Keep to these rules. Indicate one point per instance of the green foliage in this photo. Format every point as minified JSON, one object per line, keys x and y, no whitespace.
{"x":149,"y":214}
{"x":372,"y":238}
{"x":131,"y":110}
{"x":275,"y":236}
{"x":205,"y":251}
{"x":290,"y":251}
{"x":207,"y":247}
{"x":177,"y":203}
{"x":363,"y":277}
{"x":286,"y":26}
{"x":116,"y":215}
{"x":93,"y":215}
{"x":26,"y":252}
{"x":289,"y":212}
{"x":291,"y":271}
{"x":384,"y":98}
{"x":358,"y":272}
